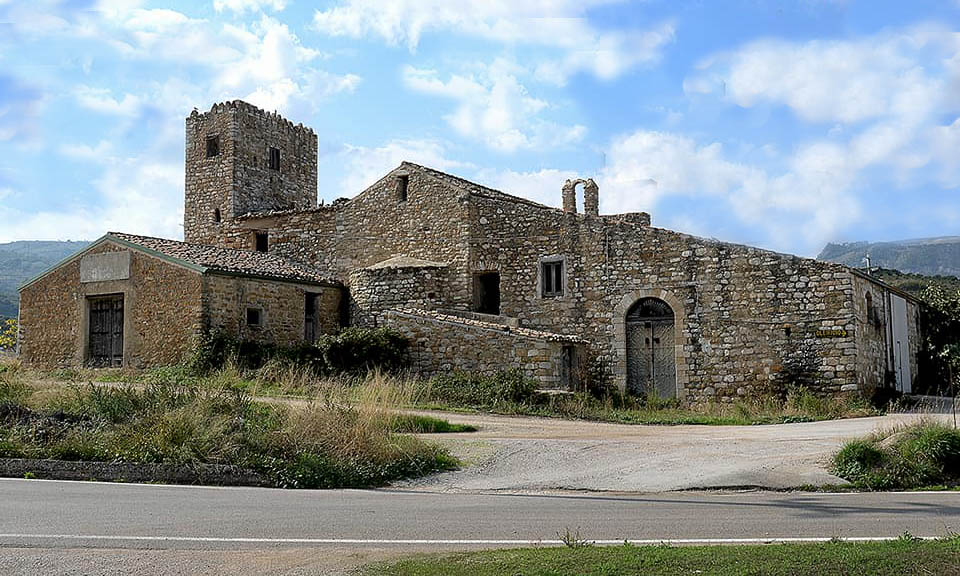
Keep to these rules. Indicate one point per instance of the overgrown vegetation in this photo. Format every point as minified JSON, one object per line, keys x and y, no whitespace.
{"x":353,"y":350}
{"x":511,"y":393}
{"x":344,"y":438}
{"x":8,"y":334}
{"x":920,"y":455}
{"x":894,"y":558}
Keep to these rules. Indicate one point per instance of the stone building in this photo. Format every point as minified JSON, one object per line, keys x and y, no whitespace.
{"x":138,"y":301}
{"x":483,"y":280}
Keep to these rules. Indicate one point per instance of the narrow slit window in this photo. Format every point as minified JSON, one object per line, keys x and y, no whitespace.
{"x":275,"y":159}
{"x":552,"y":276}
{"x":217,"y":218}
{"x":402,"y":183}
{"x":213,"y":146}
{"x":262,"y":243}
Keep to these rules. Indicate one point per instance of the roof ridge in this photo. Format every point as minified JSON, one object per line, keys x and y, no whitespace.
{"x":481,"y":189}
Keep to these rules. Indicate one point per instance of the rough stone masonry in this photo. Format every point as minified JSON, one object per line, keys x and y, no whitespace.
{"x":483,"y":280}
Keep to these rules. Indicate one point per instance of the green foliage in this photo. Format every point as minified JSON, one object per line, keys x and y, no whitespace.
{"x":921,"y":455}
{"x":179,"y":419}
{"x":942,"y":331}
{"x":353,"y":350}
{"x":418,"y":424}
{"x":8,"y":334}
{"x":481,"y":391}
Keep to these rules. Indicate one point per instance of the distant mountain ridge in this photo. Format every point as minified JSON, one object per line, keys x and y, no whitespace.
{"x":21,"y":261}
{"x":927,"y":256}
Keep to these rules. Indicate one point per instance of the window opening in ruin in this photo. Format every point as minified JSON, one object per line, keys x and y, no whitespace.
{"x":310,"y":317}
{"x":105,"y":331}
{"x":486,"y":292}
{"x":274,"y":159}
{"x":551,"y":274}
{"x":262,"y":241}
{"x":213,"y":146}
{"x":402,"y":183}
{"x":870,"y":311}
{"x":216,"y":215}
{"x":254,"y":317}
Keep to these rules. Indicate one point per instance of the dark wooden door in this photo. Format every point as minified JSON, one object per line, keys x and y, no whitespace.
{"x":106,"y":331}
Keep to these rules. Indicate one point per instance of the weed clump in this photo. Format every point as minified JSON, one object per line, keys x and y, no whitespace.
{"x":923,"y":454}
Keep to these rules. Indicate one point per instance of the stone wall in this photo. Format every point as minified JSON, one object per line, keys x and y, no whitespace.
{"x":748,"y":321}
{"x":239,"y":179}
{"x":430,"y":224}
{"x":373,"y":291}
{"x":442,"y":344}
{"x":162,"y":312}
{"x":281,"y":306}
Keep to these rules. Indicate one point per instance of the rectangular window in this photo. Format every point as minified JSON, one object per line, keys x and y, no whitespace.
{"x":551,"y":274}
{"x":274,"y":159}
{"x":402,"y":183}
{"x":213,"y":146}
{"x":262,"y":241}
{"x":254,"y":317}
{"x":310,"y":317}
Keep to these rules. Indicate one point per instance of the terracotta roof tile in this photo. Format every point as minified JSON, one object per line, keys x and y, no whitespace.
{"x":226,"y":260}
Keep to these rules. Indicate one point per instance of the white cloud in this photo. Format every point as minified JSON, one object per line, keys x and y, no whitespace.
{"x":243,"y":6}
{"x":363,"y":166}
{"x":101,"y":100}
{"x":494,"y":108}
{"x":801,"y":206}
{"x":543,"y":186}
{"x":846,"y":81}
{"x":558,"y":25}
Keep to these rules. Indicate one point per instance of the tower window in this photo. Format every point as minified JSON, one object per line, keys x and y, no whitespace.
{"x":254,"y":318}
{"x":216,"y":216}
{"x":402,"y":183}
{"x":213,"y":146}
{"x":551,"y":276}
{"x":274,"y":158}
{"x":262,"y":242}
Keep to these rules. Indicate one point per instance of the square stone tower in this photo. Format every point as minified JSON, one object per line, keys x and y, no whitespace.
{"x":241,"y":159}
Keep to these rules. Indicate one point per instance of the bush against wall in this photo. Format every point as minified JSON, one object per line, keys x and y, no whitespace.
{"x":8,"y":334}
{"x":353,"y":350}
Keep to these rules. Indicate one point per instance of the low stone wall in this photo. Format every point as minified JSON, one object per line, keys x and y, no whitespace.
{"x":442,"y":343}
{"x":206,"y":474}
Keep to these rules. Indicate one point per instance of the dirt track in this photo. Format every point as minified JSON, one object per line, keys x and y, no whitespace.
{"x":532,"y":454}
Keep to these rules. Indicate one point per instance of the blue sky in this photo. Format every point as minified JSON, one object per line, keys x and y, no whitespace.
{"x":782,"y":124}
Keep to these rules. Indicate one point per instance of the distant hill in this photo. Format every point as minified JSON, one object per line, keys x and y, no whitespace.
{"x":915,"y":284}
{"x":927,"y":256}
{"x":21,"y":261}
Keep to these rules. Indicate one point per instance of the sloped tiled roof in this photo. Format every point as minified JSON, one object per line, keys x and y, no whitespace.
{"x":405,"y":262}
{"x":529,"y":333}
{"x":225,"y":260}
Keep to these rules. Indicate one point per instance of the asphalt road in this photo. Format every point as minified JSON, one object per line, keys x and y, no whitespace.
{"x":76,"y":527}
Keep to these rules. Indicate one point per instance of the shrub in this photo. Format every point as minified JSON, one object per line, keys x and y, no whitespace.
{"x":353,"y":350}
{"x":481,"y":391}
{"x":923,"y":454}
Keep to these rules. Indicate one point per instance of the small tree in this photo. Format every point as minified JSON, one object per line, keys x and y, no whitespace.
{"x":8,"y":334}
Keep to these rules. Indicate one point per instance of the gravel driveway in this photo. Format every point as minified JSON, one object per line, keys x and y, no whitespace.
{"x":533,"y":454}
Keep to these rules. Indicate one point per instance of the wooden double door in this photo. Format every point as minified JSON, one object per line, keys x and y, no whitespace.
{"x":105,"y":336}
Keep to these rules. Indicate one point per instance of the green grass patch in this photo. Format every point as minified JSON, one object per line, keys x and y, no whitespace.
{"x":172,"y":417}
{"x":895,"y":558}
{"x":419,"y":424}
{"x":925,"y":454}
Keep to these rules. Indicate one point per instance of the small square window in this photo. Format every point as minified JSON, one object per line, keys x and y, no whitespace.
{"x":213,"y":146}
{"x":254,"y":317}
{"x":262,"y":241}
{"x":551,"y":274}
{"x":274,"y":159}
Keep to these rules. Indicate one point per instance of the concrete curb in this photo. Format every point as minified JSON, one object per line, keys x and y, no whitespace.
{"x":203,"y":474}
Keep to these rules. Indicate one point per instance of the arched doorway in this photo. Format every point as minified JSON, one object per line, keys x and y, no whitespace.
{"x":651,"y":354}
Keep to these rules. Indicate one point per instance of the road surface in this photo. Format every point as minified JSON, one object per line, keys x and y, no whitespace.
{"x":92,"y":528}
